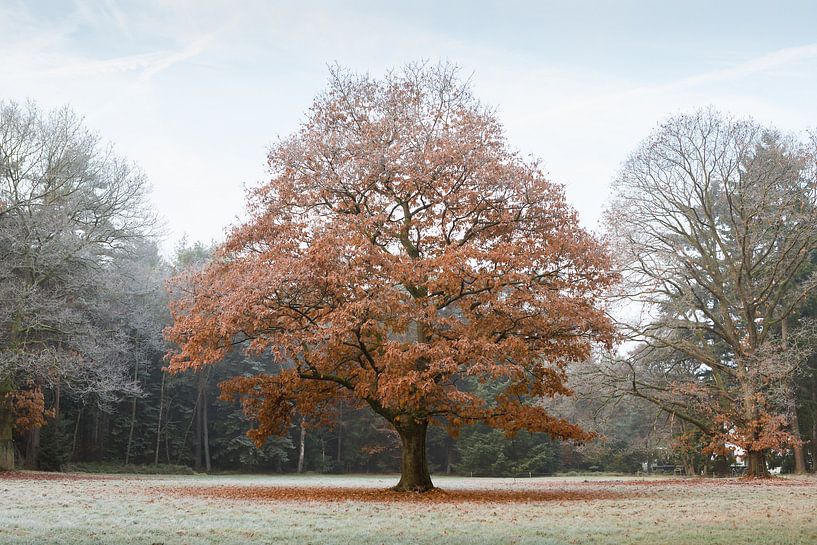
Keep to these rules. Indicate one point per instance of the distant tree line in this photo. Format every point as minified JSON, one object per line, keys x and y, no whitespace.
{"x":713,"y":226}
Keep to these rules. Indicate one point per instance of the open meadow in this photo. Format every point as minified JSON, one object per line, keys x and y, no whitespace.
{"x":99,"y":509}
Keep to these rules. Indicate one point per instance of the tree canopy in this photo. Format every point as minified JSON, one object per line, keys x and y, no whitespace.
{"x":400,"y":251}
{"x":73,"y":220}
{"x":715,"y":221}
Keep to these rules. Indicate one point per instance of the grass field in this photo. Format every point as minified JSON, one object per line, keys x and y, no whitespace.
{"x":80,"y":509}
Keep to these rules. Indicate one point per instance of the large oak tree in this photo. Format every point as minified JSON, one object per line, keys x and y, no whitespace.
{"x":399,"y":253}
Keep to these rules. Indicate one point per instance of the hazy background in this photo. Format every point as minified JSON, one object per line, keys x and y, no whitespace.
{"x":196,"y":91}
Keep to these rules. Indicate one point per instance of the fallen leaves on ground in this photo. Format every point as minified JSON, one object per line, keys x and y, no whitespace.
{"x":48,"y":476}
{"x":375,"y":495}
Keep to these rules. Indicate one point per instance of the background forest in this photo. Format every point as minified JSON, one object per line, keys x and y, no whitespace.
{"x":84,"y":297}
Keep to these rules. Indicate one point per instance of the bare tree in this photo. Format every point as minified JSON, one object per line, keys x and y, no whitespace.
{"x":715,"y":223}
{"x":70,"y":209}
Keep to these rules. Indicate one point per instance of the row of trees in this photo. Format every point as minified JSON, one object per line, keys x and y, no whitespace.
{"x":409,"y":292}
{"x":84,"y":303}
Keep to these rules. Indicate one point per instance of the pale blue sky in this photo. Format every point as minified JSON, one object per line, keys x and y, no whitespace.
{"x":196,"y":91}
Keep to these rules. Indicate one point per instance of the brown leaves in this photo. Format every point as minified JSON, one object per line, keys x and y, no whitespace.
{"x":374,"y":495}
{"x":28,"y":407}
{"x":400,"y":253}
{"x":45,"y":476}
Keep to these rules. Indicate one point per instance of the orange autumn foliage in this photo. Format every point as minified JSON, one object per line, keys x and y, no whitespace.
{"x":399,"y":253}
{"x":28,"y":407}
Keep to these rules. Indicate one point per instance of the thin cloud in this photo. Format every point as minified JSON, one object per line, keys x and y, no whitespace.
{"x":752,"y":67}
{"x":764,"y":63}
{"x":62,"y":66}
{"x":193,"y":49}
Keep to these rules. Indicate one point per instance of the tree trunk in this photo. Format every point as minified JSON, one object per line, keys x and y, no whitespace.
{"x":132,"y":416}
{"x":90,"y":443}
{"x":301,"y":445}
{"x":323,"y":455}
{"x":57,"y":400}
{"x":814,"y":425}
{"x":757,"y":465}
{"x":6,"y":429}
{"x":130,"y":430}
{"x":167,"y":435}
{"x":799,"y":450}
{"x":159,"y":423}
{"x":449,"y":455}
{"x":197,"y":433}
{"x":721,"y":467}
{"x":76,"y":434}
{"x":32,"y":447}
{"x":205,"y":432}
{"x":339,"y":457}
{"x":414,"y":476}
{"x":104,"y":426}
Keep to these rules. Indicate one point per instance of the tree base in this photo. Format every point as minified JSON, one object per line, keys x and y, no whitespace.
{"x":414,"y":476}
{"x":756,"y":477}
{"x":417,"y":488}
{"x":757,"y":468}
